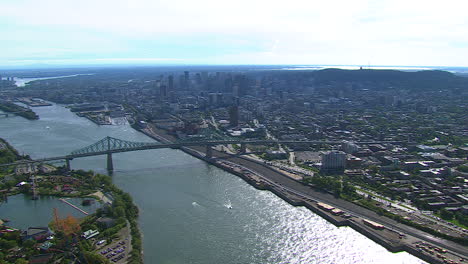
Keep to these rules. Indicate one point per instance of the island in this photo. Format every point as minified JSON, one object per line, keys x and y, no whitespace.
{"x":10,"y":107}
{"x":109,"y":234}
{"x":387,"y":151}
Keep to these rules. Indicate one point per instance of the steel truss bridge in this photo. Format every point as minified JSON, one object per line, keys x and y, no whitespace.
{"x":109,"y":145}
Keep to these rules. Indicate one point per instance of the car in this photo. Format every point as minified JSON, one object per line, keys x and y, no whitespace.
{"x":100,"y":242}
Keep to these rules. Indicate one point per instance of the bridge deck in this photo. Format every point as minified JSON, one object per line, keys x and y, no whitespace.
{"x":105,"y":147}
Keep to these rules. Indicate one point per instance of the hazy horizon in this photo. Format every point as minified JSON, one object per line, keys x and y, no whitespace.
{"x":265,"y":66}
{"x":206,"y":32}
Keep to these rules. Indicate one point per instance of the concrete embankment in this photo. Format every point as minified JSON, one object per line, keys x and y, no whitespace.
{"x":387,"y":237}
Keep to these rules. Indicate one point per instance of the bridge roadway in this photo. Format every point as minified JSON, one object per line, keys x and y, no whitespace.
{"x":279,"y":180}
{"x":187,"y":144}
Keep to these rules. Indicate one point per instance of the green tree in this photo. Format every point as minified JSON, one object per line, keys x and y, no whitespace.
{"x":119,"y":211}
{"x":446,"y":215}
{"x":462,"y":219}
{"x":21,"y":261}
{"x":7,"y":244}
{"x":94,"y":258}
{"x":29,"y":243}
{"x":463,"y":168}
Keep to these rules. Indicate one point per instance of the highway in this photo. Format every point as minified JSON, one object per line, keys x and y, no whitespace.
{"x":305,"y":191}
{"x":105,"y":146}
{"x":276,"y":178}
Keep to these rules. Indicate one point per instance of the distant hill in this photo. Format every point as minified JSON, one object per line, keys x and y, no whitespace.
{"x":433,"y":79}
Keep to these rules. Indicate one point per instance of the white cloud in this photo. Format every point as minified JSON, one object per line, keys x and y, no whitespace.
{"x":296,"y":31}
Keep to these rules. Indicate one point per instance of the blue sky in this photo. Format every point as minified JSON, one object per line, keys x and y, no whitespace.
{"x":358,"y":32}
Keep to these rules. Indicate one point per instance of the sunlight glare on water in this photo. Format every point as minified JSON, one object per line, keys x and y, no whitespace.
{"x":184,"y":203}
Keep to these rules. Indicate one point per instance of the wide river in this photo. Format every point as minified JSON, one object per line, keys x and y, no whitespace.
{"x":184,"y":214}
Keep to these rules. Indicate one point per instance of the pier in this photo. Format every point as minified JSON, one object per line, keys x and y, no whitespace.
{"x":74,"y":206}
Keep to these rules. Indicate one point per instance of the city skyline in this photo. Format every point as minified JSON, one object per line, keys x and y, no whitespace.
{"x":51,"y":32}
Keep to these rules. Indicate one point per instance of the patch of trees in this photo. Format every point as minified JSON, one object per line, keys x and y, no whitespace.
{"x":333,"y":185}
{"x":22,"y":111}
{"x":123,"y":209}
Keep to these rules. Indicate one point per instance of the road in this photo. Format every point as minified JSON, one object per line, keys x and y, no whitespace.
{"x":300,"y":189}
{"x":353,"y":209}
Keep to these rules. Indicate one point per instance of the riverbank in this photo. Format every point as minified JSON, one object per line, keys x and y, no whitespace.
{"x":104,"y":224}
{"x":184,"y":202}
{"x":33,"y":102}
{"x":395,"y":237}
{"x":114,"y":222}
{"x":12,"y":108}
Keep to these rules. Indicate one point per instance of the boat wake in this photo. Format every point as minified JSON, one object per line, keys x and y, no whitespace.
{"x":228,"y":205}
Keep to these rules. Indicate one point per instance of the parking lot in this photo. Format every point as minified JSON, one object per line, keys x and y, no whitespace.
{"x":116,"y":252}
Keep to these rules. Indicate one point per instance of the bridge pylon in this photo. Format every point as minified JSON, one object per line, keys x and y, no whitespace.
{"x":209,"y":151}
{"x":243,"y":148}
{"x":67,"y":164}
{"x":110,"y":164}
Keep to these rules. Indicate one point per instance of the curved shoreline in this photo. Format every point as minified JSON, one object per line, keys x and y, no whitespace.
{"x":390,"y":239}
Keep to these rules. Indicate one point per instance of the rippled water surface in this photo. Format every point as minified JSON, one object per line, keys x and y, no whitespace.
{"x":192,"y":212}
{"x":24,"y":212}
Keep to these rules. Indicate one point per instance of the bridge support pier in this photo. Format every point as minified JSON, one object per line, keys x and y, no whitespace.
{"x":67,"y":164}
{"x":209,"y":151}
{"x":110,"y":165}
{"x":243,"y":148}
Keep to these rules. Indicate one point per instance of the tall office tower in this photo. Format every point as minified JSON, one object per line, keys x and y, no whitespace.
{"x":333,"y":162}
{"x":171,"y":82}
{"x":212,"y":99}
{"x":220,"y":99}
{"x":228,"y":85}
{"x":181,"y":83}
{"x":163,"y":91}
{"x":234,"y":115}
{"x":198,"y":78}
{"x":186,"y":79}
{"x":242,"y":82}
{"x":235,"y":90}
{"x":204,"y":76}
{"x":157,"y":87}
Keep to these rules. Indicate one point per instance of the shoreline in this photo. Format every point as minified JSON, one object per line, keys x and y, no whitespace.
{"x":134,"y":251}
{"x":392,"y":240}
{"x":13,"y":109}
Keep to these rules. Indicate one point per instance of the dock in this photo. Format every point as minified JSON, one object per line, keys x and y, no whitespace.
{"x":74,"y":206}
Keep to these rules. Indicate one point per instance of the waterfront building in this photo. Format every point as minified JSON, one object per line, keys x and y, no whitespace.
{"x":36,"y":233}
{"x":333,"y":162}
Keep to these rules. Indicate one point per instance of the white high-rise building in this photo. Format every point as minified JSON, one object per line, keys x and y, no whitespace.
{"x":333,"y":162}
